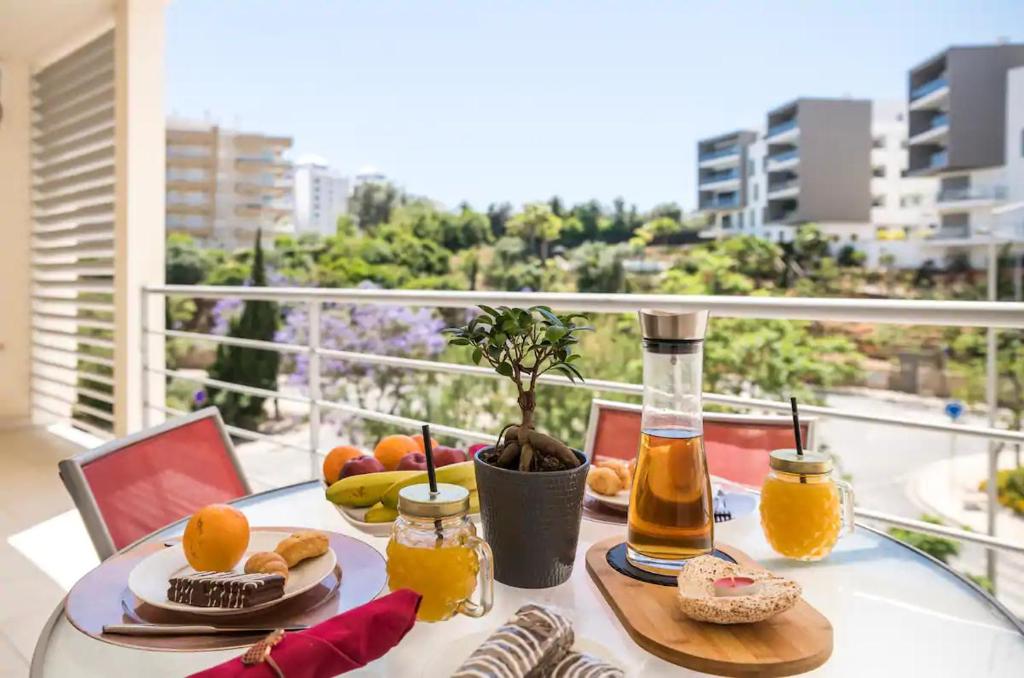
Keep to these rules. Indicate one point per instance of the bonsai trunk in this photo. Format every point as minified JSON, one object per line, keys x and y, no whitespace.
{"x":522,"y":447}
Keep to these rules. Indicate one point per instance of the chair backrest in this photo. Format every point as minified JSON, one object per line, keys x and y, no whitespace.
{"x":133,"y":486}
{"x":737,"y":445}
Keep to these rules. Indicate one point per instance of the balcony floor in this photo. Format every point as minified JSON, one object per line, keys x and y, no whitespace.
{"x":38,"y":524}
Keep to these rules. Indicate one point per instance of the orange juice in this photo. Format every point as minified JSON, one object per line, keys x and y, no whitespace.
{"x":445,"y":576}
{"x":670,"y":508}
{"x":801,"y":520}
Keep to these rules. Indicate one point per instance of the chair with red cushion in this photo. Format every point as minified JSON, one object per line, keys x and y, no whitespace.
{"x":132,"y":486}
{"x":737,"y":445}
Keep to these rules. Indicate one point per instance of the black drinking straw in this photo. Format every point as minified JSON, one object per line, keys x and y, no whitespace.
{"x":796,"y":433}
{"x":428,"y":450}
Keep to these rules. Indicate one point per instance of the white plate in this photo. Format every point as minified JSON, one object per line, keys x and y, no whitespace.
{"x":620,"y":500}
{"x":450,"y":657}
{"x":149,"y":579}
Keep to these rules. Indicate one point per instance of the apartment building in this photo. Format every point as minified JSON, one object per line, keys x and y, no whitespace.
{"x":961,"y":132}
{"x":838,"y":163}
{"x":321,"y":196}
{"x":722,"y":179}
{"x":223,"y":185}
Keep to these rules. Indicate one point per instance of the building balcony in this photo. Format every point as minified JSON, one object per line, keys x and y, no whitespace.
{"x":936,"y":132}
{"x":938,"y":160}
{"x":979,"y":195}
{"x":785,"y":160}
{"x":719,"y":180}
{"x":783,"y":132}
{"x":723,"y":157}
{"x":933,"y":95}
{"x":784,"y":189}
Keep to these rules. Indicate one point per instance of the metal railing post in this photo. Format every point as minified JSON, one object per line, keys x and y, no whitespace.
{"x":144,"y":339}
{"x":992,"y":400}
{"x":314,"y":385}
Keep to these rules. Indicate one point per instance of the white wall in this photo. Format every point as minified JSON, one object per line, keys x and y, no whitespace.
{"x":15,"y":225}
{"x":1014,"y":221}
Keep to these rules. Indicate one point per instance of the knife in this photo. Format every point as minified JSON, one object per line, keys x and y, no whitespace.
{"x":190,"y":629}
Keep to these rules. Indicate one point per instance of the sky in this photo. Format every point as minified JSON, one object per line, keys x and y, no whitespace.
{"x":491,"y":101}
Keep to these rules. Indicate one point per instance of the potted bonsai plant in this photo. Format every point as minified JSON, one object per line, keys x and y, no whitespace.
{"x":531,"y":484}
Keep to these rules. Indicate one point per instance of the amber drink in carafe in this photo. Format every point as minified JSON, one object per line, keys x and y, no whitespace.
{"x":671,"y":514}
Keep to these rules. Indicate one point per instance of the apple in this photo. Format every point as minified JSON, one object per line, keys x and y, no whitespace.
{"x":361,"y":465}
{"x":473,"y":449}
{"x":414,"y":461}
{"x":443,"y":456}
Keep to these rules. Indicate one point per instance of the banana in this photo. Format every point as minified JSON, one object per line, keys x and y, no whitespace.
{"x":474,"y":501}
{"x":379,"y":513}
{"x":463,"y":474}
{"x":365,"y":489}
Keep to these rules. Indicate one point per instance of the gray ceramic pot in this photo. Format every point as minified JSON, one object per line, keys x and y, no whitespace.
{"x":531,"y":521}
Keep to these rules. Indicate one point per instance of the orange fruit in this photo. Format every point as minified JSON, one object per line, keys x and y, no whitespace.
{"x":391,"y":449}
{"x":216,"y":538}
{"x":336,"y":458}
{"x":419,"y":441}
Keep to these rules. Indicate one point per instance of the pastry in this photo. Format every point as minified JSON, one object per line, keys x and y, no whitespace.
{"x":531,"y":643}
{"x":621,"y":469}
{"x":225,"y":589}
{"x":267,"y":562}
{"x":299,"y":546}
{"x":698,"y":599}
{"x":604,"y":481}
{"x":579,"y":665}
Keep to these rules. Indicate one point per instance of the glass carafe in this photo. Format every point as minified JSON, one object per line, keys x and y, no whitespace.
{"x":671,"y":516}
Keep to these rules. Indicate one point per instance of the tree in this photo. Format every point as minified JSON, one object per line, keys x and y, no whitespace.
{"x":599,"y":267}
{"x":186,"y":264}
{"x":498,"y":216}
{"x":659,"y":228}
{"x":537,"y":225}
{"x":373,"y":202}
{"x":248,"y":366}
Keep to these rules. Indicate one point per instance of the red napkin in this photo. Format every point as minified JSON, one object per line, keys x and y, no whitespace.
{"x":343,"y":643}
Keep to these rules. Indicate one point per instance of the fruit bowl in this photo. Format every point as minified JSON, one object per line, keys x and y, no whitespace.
{"x":369,"y":501}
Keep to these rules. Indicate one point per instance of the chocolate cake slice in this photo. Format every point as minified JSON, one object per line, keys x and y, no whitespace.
{"x":225,"y":589}
{"x":529,"y":644}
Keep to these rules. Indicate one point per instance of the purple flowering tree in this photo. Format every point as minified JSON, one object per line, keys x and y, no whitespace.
{"x":368,"y":329}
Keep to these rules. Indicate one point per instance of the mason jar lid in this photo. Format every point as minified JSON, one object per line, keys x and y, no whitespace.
{"x":416,"y":501}
{"x":809,"y":463}
{"x":672,"y":326}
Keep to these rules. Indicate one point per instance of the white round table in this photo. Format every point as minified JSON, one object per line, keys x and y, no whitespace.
{"x":895,"y":612}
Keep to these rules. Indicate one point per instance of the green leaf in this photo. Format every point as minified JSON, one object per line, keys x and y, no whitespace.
{"x":504,"y":369}
{"x":553,"y":334}
{"x":459,"y":341}
{"x":552,"y":318}
{"x":477,"y":356}
{"x":487,"y":309}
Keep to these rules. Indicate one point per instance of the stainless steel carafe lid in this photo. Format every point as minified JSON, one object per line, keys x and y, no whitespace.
{"x":671,"y":326}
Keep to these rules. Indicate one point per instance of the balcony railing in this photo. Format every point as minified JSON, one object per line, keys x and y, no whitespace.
{"x":786,"y":156}
{"x":952,"y":232}
{"x":783,"y":185}
{"x":936,"y":313}
{"x":972,"y":193}
{"x":721,"y":153}
{"x":928,"y":87}
{"x":733,"y":173}
{"x":723,"y":202}
{"x":940,"y":120}
{"x":781,"y":127}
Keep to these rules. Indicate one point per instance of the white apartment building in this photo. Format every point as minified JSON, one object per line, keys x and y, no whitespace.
{"x":223,"y":185}
{"x":838,"y":163}
{"x":965,"y":129}
{"x":321,"y":196}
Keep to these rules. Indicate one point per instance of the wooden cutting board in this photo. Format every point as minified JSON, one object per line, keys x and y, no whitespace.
{"x":793,"y":642}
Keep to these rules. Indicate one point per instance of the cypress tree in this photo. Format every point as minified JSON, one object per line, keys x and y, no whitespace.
{"x":248,"y":366}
